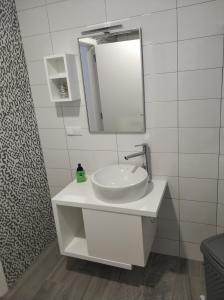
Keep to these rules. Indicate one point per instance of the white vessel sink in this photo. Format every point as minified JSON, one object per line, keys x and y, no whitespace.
{"x":120,"y":183}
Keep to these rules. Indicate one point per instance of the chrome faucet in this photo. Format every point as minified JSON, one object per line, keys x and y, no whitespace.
{"x":145,"y":152}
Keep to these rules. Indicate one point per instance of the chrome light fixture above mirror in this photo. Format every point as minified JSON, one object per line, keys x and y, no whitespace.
{"x":112,"y":72}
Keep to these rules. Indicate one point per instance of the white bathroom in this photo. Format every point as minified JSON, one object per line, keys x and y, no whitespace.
{"x":111,"y":149}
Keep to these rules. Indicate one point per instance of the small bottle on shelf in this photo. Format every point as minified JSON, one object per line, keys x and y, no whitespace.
{"x":80,"y":174}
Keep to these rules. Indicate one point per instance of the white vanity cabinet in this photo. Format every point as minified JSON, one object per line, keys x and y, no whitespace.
{"x":119,"y":234}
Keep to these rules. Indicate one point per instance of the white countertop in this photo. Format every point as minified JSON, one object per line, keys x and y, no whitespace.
{"x":82,"y":195}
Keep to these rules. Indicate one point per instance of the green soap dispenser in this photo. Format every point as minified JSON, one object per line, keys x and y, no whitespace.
{"x":80,"y":174}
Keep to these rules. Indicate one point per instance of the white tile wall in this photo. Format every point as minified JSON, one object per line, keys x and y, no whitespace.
{"x":221,"y":167}
{"x":221,"y":191}
{"x":198,"y":212}
{"x":117,"y":9}
{"x":183,"y":92}
{"x":53,"y":138}
{"x":220,"y":215}
{"x":198,"y":189}
{"x":70,"y":14}
{"x":222,"y":140}
{"x":92,"y":160}
{"x":161,"y":114}
{"x":50,"y":117}
{"x":199,"y":140}
{"x":56,"y":158}
{"x":160,"y":58}
{"x":36,"y":73}
{"x":164,"y":164}
{"x":220,"y":230}
{"x":190,"y":251}
{"x":195,"y":233}
{"x":88,"y":141}
{"x":41,"y":96}
{"x":59,"y":177}
{"x":168,"y":229}
{"x":222,"y":110}
{"x":52,"y":1}
{"x":161,"y":87}
{"x":166,"y":246}
{"x":169,"y":209}
{"x":200,"y":53}
{"x":158,"y":27}
{"x":159,"y":139}
{"x":33,"y":21}
{"x":127,"y":142}
{"x":24,"y":4}
{"x":172,"y":191}
{"x":36,"y":47}
{"x":200,"y":84}
{"x":198,"y":165}
{"x":201,"y":20}
{"x":190,"y":2}
{"x":75,"y":116}
{"x":201,"y":113}
{"x":65,"y":40}
{"x":163,"y":139}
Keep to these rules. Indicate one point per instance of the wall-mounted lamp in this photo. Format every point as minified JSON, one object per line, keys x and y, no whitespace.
{"x":102,"y":29}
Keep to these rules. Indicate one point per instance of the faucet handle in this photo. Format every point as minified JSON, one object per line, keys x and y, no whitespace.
{"x":143,"y":145}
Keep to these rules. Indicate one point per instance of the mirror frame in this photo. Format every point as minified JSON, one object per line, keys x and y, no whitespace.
{"x":143,"y":81}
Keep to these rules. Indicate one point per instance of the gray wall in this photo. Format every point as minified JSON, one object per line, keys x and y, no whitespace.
{"x":26,"y":223}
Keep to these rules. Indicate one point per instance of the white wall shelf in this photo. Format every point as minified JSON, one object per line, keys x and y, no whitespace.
{"x":62,"y":77}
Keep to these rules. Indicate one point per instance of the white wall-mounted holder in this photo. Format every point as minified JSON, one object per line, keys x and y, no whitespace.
{"x":62,"y":77}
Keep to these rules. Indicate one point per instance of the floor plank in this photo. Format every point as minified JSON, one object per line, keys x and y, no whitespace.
{"x":54,"y":277}
{"x":35,"y":276}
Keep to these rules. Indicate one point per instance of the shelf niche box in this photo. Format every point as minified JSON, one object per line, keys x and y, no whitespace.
{"x":62,"y":77}
{"x":70,"y":229}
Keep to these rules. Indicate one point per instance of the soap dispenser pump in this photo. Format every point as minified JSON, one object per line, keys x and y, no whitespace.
{"x":80,"y":174}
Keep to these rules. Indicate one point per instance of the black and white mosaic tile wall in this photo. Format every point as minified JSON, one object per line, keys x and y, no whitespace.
{"x":26,"y":222}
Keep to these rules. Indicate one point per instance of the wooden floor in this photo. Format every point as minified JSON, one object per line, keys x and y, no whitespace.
{"x":54,"y":277}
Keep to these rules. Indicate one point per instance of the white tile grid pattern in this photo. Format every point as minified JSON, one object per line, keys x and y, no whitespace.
{"x":183,"y":63}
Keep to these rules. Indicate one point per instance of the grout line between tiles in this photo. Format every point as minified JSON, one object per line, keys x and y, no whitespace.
{"x":178,"y":130}
{"x":117,"y":21}
{"x":198,"y":201}
{"x":193,"y":4}
{"x":148,"y":128}
{"x":60,"y":105}
{"x":201,"y":36}
{"x":132,"y":151}
{"x":145,"y":74}
{"x":122,"y":20}
{"x":48,"y":21}
{"x":59,"y":1}
{"x":105,"y":5}
{"x":219,"y":157}
{"x":41,"y":5}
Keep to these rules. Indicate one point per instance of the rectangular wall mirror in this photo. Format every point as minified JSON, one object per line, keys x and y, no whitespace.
{"x":113,"y":81}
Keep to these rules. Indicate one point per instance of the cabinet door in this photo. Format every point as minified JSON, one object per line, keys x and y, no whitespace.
{"x":114,"y":236}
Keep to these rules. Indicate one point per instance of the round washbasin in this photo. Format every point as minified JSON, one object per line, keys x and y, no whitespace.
{"x":120,"y":183}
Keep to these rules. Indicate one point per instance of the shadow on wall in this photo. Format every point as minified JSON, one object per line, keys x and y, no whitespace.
{"x":3,"y":284}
